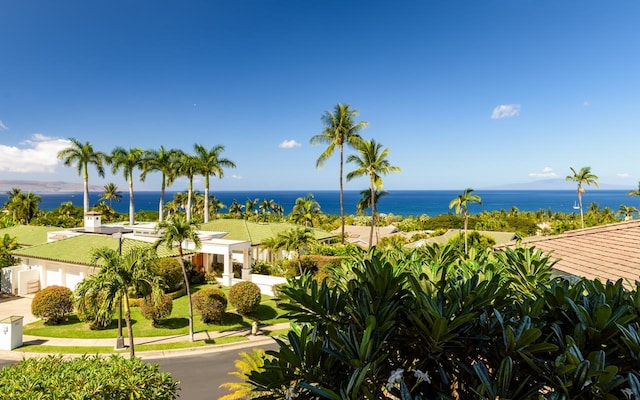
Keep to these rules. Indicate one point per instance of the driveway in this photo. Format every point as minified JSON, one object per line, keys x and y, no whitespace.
{"x":14,"y":305}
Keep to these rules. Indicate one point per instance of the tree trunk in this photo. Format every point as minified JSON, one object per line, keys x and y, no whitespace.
{"x":466,"y":223}
{"x":132,"y":210}
{"x":161,"y":204}
{"x":187,"y":286}
{"x":189,"y":194}
{"x":86,"y":190}
{"x":127,"y":318}
{"x":206,"y":200}
{"x":373,"y":212}
{"x":341,"y":197}
{"x":580,"y":203}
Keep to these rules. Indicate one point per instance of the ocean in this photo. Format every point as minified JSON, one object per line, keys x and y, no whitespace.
{"x":398,"y":202}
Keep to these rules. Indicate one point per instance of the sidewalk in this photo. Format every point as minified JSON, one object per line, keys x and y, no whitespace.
{"x":22,"y":306}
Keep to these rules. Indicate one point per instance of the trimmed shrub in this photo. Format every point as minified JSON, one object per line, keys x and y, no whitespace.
{"x":245,"y":297}
{"x":156,"y":309}
{"x":86,"y":377}
{"x":170,"y":271}
{"x":211,"y":303}
{"x":211,"y":278}
{"x":52,"y":304}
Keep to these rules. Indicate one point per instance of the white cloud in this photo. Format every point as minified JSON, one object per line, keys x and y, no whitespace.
{"x":547,"y":172}
{"x":506,"y":111}
{"x":3,"y":127}
{"x":624,"y":175}
{"x":289,"y":144}
{"x":237,"y":177}
{"x":38,"y":154}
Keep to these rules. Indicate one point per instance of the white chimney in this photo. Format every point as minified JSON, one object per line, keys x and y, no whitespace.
{"x":92,"y":221}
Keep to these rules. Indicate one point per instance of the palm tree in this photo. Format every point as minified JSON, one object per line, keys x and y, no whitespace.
{"x":339,"y":129}
{"x":187,"y":165}
{"x":119,"y":275}
{"x":365,"y":199}
{"x":127,"y":161}
{"x":111,"y":192}
{"x":250,"y":207}
{"x":584,"y":176}
{"x":82,"y":155}
{"x":236,"y":208}
{"x":211,"y":164}
{"x":175,"y":232}
{"x":22,"y":206}
{"x":305,"y":210}
{"x":626,"y":211}
{"x":461,"y":204}
{"x":295,"y":239}
{"x":161,"y":160}
{"x":634,"y":192}
{"x":371,"y":161}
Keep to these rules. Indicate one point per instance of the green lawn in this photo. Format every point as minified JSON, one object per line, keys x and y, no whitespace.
{"x":176,"y":324}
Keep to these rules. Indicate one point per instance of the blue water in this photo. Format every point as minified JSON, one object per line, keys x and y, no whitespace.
{"x":399,"y":202}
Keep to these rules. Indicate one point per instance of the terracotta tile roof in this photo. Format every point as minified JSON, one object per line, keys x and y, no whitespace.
{"x":359,"y":235}
{"x":607,"y":252}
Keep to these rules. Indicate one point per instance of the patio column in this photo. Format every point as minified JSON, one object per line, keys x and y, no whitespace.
{"x":227,"y":274}
{"x":246,"y":264}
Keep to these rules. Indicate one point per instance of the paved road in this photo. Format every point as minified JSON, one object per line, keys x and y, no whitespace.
{"x":200,"y":375}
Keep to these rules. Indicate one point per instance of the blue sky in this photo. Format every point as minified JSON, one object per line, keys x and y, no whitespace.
{"x":463,"y":93}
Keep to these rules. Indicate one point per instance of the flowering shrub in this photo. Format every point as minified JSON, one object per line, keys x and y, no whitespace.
{"x":211,"y":303}
{"x":245,"y":297}
{"x":156,"y":309}
{"x":52,"y":304}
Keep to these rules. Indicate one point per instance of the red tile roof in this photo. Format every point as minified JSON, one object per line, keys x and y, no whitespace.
{"x":607,"y":252}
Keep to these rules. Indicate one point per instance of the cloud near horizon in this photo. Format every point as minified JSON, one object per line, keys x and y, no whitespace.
{"x":289,"y":144}
{"x":506,"y":111}
{"x":547,"y":172}
{"x":38,"y":154}
{"x":624,"y":175}
{"x":237,"y":177}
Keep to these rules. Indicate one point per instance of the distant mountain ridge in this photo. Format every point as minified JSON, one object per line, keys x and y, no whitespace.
{"x":45,"y":186}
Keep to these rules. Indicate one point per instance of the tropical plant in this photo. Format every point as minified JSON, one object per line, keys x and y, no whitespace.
{"x":236,"y":208}
{"x":127,"y":161}
{"x":23,"y":207}
{"x":245,"y":296}
{"x":177,"y":231}
{"x":119,"y":275}
{"x":371,"y":161}
{"x":82,"y":155}
{"x":161,"y":160}
{"x":340,"y":128}
{"x":156,"y":310}
{"x":365,"y":199}
{"x":626,"y":211}
{"x":461,"y":204}
{"x":305,"y":210}
{"x":111,"y":192}
{"x":187,"y":165}
{"x":7,"y":245}
{"x":295,"y":240}
{"x":634,"y":192}
{"x":211,"y":164}
{"x":582,"y":177}
{"x":240,"y":390}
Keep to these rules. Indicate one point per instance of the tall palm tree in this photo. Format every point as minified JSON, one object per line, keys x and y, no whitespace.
{"x":119,"y":275}
{"x":160,"y":160}
{"x":340,"y":128}
{"x":295,"y":239}
{"x":634,"y":192}
{"x":305,"y":210}
{"x":176,"y":232}
{"x":461,"y":204}
{"x":82,"y":155}
{"x":365,"y":199}
{"x":211,"y":164}
{"x":584,"y":176}
{"x":236,"y":208}
{"x":111,"y":192}
{"x":127,"y":161}
{"x":371,"y":161}
{"x":187,"y":165}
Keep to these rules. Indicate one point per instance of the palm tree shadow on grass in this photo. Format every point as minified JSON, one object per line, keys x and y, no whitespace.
{"x":174,"y":323}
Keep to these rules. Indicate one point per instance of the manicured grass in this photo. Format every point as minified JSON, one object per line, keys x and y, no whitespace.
{"x":38,"y":348}
{"x":176,"y":324}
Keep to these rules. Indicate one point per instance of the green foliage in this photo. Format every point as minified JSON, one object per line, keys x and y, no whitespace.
{"x":474,"y":240}
{"x":211,"y":277}
{"x":52,"y":304}
{"x":7,"y":245}
{"x":211,"y":303}
{"x":169,"y":269}
{"x":260,"y":267}
{"x":435,"y":323}
{"x":156,"y":309}
{"x":245,"y":296}
{"x":86,"y":377}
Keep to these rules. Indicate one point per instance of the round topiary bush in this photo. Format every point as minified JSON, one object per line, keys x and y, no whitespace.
{"x":245,"y":297}
{"x":211,"y":303}
{"x":170,"y":271}
{"x":156,"y":309}
{"x":52,"y":304}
